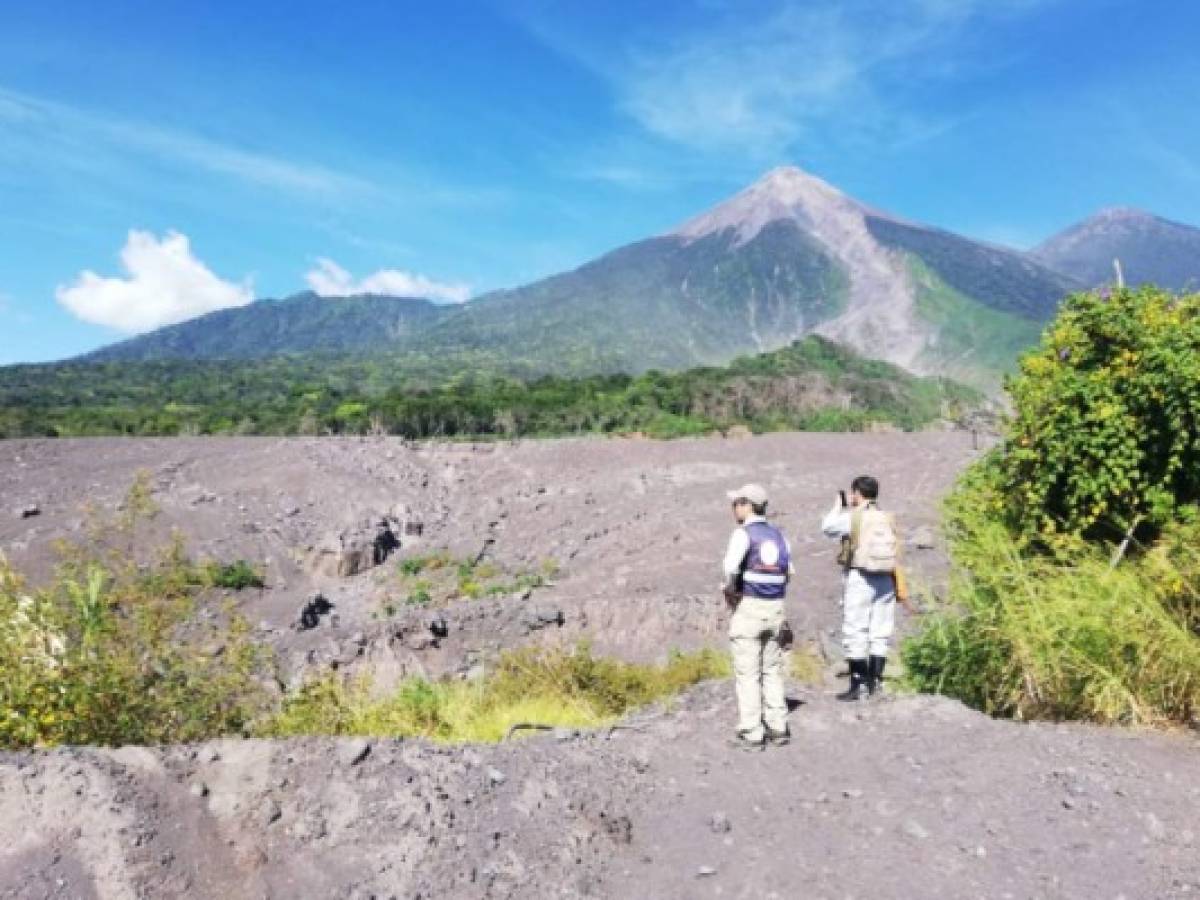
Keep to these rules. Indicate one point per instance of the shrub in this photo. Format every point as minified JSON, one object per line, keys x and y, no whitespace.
{"x":546,"y":687}
{"x":1105,"y":436}
{"x":234,"y":576}
{"x":1066,"y":636}
{"x":419,"y":596}
{"x":1075,"y":589}
{"x":112,"y":652}
{"x":412,"y":566}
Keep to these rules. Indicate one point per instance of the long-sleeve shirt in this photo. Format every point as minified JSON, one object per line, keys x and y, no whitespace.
{"x":739,"y":546}
{"x":836,"y":523}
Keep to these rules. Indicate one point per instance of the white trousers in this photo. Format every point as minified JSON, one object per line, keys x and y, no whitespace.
{"x":868,"y":614}
{"x":758,"y":666}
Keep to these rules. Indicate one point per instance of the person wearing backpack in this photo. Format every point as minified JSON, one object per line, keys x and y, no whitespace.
{"x":872,"y":583}
{"x":756,"y":570}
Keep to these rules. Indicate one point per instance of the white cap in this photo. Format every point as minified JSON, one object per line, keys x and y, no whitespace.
{"x":755,"y":493}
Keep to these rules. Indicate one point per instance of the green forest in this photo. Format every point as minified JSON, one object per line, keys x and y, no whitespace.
{"x":813,"y":384}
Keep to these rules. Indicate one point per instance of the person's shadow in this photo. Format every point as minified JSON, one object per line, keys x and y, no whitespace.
{"x":794,"y":703}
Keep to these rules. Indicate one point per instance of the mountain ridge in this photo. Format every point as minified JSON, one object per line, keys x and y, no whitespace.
{"x":787,"y":256}
{"x":1151,"y":248}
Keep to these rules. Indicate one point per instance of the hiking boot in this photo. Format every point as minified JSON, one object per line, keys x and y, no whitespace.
{"x":858,"y":677}
{"x":779,"y":738}
{"x":739,"y":742}
{"x":875,"y":675}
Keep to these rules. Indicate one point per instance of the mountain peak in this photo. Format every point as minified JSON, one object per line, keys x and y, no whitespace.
{"x":783,"y":178}
{"x":786,"y":192}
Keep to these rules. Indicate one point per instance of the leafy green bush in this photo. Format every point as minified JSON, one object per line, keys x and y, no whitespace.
{"x":1076,"y":544}
{"x":117,"y":656}
{"x":419,"y":595}
{"x":547,"y":687}
{"x":1106,"y":432}
{"x":234,"y":576}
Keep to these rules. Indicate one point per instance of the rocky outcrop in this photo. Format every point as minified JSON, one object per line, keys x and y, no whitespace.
{"x":360,"y":547}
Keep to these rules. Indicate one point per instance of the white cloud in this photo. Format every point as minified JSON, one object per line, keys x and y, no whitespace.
{"x":164,"y":284}
{"x":330,"y":280}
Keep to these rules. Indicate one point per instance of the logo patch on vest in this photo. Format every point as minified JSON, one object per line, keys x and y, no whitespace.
{"x":768,"y":552}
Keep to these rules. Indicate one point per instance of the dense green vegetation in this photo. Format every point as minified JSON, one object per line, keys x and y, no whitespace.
{"x":304,"y":322}
{"x":1076,"y":543}
{"x":997,"y":278}
{"x":814,"y":384}
{"x":975,"y":343}
{"x":112,"y":652}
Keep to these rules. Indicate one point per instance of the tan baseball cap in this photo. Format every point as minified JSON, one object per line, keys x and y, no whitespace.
{"x":755,"y":493}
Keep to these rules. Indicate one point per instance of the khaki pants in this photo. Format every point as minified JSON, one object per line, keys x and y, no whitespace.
{"x":758,"y":666}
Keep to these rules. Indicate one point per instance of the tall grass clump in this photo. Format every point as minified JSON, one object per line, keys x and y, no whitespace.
{"x":550,"y":687}
{"x":1075,"y":590}
{"x":113,"y":651}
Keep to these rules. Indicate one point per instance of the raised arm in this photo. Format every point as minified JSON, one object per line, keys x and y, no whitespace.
{"x":836,"y":523}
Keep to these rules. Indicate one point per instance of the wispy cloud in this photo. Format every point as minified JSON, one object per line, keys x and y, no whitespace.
{"x":330,"y":280}
{"x":163,"y":283}
{"x":67,"y":128}
{"x":796,"y":72}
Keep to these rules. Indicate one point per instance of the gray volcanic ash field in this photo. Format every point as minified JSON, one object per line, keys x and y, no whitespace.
{"x":908,"y":797}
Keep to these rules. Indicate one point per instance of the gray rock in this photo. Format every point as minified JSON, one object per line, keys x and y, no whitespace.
{"x":1155,"y":827}
{"x":198,"y":789}
{"x":537,"y":619}
{"x":914,"y":829}
{"x":28,"y":512}
{"x":719,"y":823}
{"x":923,"y":538}
{"x":357,"y":548}
{"x":352,"y":752}
{"x":705,"y":872}
{"x":496,"y":777}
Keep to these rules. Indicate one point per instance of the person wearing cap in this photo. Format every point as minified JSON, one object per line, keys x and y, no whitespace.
{"x":756,"y":570}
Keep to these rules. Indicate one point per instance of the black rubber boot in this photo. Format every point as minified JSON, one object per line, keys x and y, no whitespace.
{"x":875,"y":675}
{"x":858,"y":676}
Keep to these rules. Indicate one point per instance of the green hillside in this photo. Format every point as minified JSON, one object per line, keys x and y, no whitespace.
{"x":298,"y":324}
{"x":811,"y":385}
{"x":663,"y":303}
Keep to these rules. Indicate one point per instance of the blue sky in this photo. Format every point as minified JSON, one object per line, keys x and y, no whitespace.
{"x":232,"y":150}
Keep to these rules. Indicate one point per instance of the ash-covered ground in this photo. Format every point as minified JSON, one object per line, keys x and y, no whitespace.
{"x":910,"y":797}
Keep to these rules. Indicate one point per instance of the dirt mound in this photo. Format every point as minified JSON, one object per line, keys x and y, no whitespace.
{"x":912,"y":797}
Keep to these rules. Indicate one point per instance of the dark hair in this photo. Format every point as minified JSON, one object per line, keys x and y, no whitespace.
{"x":760,"y":509}
{"x":867,"y":486}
